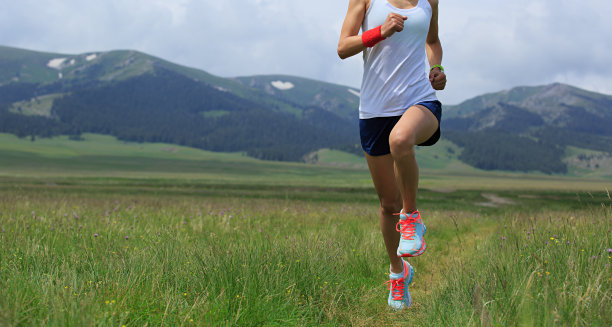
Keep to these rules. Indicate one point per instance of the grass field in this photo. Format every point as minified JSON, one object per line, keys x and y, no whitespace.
{"x":102,"y":233}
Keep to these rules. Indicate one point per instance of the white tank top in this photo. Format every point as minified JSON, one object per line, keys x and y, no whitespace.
{"x":395,"y":73}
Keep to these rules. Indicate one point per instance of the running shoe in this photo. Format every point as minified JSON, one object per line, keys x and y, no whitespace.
{"x":412,"y":241}
{"x":399,"y":296}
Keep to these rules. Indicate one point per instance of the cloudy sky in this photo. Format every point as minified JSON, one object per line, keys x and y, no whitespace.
{"x":489,"y":45}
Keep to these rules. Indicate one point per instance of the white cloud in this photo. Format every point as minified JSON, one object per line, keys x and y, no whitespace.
{"x":488,"y":45}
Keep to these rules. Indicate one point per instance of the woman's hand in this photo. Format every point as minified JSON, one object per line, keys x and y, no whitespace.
{"x":437,"y":78}
{"x":394,"y":23}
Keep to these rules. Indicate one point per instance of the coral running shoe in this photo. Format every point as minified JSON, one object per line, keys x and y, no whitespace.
{"x":412,"y":241}
{"x":399,"y":296}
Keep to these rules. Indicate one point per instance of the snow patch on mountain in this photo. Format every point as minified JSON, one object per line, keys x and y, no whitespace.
{"x":282,"y":85}
{"x":91,"y":57}
{"x":353,"y":92}
{"x":56,"y":63}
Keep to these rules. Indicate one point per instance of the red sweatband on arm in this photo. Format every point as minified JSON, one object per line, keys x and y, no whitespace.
{"x":371,"y":37}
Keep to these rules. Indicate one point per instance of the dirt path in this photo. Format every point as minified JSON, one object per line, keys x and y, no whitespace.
{"x":494,"y":200}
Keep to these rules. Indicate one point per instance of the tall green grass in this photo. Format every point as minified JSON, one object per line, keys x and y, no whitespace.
{"x":74,"y":256}
{"x":547,"y":269}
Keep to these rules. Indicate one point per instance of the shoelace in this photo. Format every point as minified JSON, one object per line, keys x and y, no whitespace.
{"x":396,"y":286}
{"x":407,"y":227}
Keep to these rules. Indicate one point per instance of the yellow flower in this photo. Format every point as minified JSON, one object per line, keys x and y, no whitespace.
{"x":184,"y":294}
{"x":107,"y":302}
{"x":548,"y":272}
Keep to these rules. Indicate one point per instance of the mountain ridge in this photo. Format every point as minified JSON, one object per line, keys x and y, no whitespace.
{"x":138,"y":97}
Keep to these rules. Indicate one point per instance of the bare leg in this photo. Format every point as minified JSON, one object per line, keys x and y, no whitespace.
{"x":416,"y":126}
{"x":381,"y":169}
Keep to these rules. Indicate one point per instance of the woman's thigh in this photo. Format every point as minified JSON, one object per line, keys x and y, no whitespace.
{"x":416,"y":126}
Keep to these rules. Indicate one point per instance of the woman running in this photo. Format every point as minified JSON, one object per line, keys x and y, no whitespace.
{"x":398,"y":110}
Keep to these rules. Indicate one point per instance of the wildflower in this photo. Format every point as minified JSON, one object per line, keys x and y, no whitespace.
{"x":503,"y":238}
{"x":609,"y":250}
{"x":127,"y":237}
{"x":528,"y":232}
{"x":552,"y":238}
{"x":95,"y":234}
{"x":548,"y":272}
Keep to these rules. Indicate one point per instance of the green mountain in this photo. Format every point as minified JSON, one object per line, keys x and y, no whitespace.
{"x":138,"y":97}
{"x":555,"y":129}
{"x":530,"y":128}
{"x":338,"y":99}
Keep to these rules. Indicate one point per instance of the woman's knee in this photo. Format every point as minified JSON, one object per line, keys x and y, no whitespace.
{"x":389,"y":207}
{"x":401,"y":143}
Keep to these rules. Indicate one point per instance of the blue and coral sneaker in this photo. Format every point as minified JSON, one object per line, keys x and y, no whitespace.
{"x":412,"y":241}
{"x":399,"y":296}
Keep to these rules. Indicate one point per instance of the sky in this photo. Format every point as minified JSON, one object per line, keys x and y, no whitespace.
{"x":489,"y":45}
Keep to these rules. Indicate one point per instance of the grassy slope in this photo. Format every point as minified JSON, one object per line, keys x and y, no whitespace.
{"x":104,"y":156}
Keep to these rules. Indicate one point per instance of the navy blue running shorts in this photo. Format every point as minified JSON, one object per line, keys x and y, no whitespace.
{"x":375,"y":132}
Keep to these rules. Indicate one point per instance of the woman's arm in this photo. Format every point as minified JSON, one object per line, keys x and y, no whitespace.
{"x":434,"y":50}
{"x":351,"y":42}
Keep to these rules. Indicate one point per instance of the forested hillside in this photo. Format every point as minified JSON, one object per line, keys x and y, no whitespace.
{"x":529,"y":128}
{"x":138,"y":97}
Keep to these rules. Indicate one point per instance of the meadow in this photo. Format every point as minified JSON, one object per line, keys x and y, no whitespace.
{"x":137,"y":239}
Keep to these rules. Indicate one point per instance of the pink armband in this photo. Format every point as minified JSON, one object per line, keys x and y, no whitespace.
{"x":371,"y":37}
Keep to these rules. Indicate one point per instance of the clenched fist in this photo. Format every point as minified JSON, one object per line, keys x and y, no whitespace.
{"x":394,"y":23}
{"x":437,"y":78}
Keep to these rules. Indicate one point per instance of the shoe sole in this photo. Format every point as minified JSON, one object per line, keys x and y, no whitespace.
{"x":419,"y":252}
